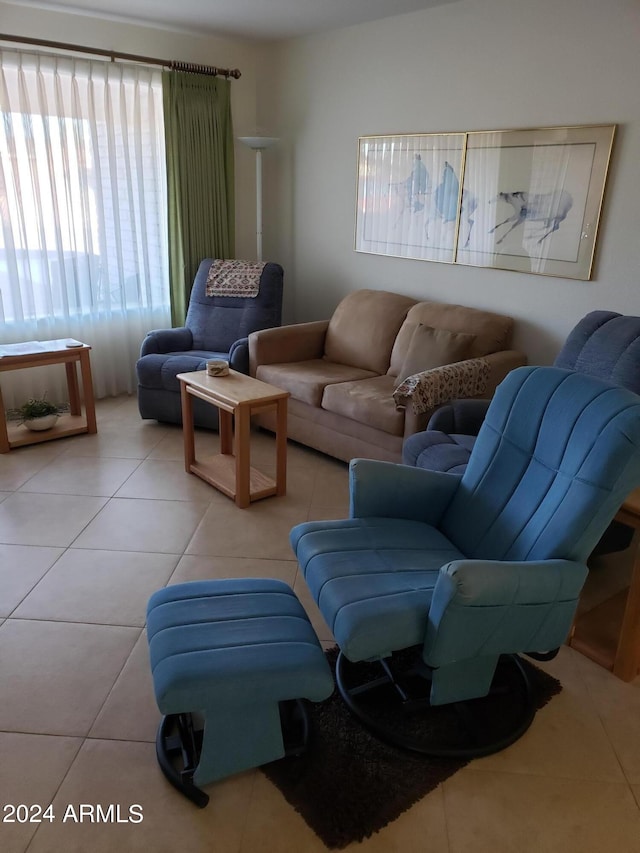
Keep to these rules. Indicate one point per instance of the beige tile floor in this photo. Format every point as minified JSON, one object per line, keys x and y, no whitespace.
{"x":90,"y":526}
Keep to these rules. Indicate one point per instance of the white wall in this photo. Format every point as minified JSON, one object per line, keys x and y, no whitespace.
{"x":471,"y":65}
{"x":165,"y":44}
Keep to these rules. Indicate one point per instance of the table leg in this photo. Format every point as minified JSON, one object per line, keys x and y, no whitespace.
{"x":4,"y":435}
{"x":281,"y":447}
{"x":243,"y":456}
{"x":225,"y":427}
{"x":72,"y":388}
{"x":87,"y":390}
{"x":627,"y":660}
{"x":187,"y":427}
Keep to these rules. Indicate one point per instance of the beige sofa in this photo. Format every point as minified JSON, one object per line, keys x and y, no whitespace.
{"x":345,"y":374}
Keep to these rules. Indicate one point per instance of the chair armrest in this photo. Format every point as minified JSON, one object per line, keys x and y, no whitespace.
{"x":283,"y":344}
{"x":460,"y":417}
{"x":387,"y":490}
{"x":239,"y":355}
{"x":430,"y":388}
{"x":167,"y":340}
{"x":486,"y":607}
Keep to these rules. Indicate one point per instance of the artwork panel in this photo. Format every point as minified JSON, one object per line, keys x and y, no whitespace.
{"x":538,"y":194}
{"x":408,"y":189}
{"x":530,"y":199}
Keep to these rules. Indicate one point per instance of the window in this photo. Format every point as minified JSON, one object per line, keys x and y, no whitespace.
{"x":83,"y":245}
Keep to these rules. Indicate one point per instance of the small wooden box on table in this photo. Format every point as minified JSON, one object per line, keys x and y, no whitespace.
{"x":53,"y":352}
{"x":237,"y":398}
{"x":610,"y":633}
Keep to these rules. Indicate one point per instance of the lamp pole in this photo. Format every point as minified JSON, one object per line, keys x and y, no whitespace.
{"x":258,"y":144}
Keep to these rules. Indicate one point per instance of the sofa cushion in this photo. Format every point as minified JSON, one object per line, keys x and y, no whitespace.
{"x":363,"y":329}
{"x":306,"y":380}
{"x":492,"y":331}
{"x":431,"y":347}
{"x":368,"y":401}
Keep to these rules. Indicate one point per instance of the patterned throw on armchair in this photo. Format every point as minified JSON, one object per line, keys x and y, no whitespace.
{"x":229,"y":300}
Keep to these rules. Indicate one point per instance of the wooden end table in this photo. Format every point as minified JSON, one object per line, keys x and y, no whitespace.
{"x":609,"y":634}
{"x":53,"y":352}
{"x":237,"y":397}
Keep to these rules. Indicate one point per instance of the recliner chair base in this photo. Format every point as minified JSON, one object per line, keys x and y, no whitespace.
{"x":395,"y":707}
{"x":179,"y":743}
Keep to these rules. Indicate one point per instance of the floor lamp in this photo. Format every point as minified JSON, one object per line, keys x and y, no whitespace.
{"x":258,"y":143}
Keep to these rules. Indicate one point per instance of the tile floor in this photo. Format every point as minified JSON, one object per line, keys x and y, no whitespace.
{"x":90,"y":526}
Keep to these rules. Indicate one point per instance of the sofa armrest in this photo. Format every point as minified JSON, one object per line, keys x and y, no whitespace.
{"x":388,"y":490}
{"x":285,"y":344}
{"x":167,"y":340}
{"x":500,"y":363}
{"x":430,"y":388}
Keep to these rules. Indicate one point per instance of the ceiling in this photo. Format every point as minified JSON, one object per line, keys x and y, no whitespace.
{"x":253,"y":19}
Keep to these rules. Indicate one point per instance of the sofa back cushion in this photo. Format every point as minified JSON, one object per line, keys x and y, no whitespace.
{"x":363,"y":329}
{"x":429,"y":348}
{"x":491,"y":332}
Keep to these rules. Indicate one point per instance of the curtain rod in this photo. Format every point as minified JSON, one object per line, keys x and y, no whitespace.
{"x":188,"y":67}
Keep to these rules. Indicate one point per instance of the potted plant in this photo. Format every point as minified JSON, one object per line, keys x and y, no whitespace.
{"x":38,"y":414}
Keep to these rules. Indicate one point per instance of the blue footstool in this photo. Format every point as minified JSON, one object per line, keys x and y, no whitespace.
{"x":239,"y":655}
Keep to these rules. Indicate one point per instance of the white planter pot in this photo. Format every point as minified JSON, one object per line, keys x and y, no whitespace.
{"x":38,"y":424}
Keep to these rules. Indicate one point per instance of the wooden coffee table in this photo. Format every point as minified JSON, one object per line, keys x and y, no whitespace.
{"x":237,"y":398}
{"x":53,"y":352}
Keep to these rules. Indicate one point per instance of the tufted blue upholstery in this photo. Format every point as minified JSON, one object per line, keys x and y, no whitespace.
{"x":606,"y":345}
{"x":234,"y":649}
{"x":488,"y":563}
{"x":215,"y":327}
{"x":545,"y":472}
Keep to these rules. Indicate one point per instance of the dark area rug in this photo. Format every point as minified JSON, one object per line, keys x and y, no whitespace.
{"x":348,"y":784}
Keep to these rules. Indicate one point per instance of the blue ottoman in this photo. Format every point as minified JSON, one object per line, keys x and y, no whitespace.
{"x":239,"y":654}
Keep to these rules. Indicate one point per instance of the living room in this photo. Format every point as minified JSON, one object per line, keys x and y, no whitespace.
{"x":453,"y":67}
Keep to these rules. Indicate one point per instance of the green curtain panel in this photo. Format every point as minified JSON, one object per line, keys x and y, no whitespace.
{"x":200,"y":177}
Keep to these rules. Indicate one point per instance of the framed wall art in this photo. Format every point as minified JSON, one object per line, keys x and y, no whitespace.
{"x":525,"y":200}
{"x":408,"y":195}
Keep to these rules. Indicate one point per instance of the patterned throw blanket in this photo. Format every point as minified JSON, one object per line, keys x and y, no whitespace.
{"x":423,"y":391}
{"x":234,"y":278}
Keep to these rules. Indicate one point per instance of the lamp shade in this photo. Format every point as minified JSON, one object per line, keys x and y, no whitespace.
{"x":258,"y":142}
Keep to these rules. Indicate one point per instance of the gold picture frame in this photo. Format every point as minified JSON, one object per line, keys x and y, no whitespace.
{"x":529,"y":200}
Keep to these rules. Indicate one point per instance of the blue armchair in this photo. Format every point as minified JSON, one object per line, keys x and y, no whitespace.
{"x":215,"y":327}
{"x":439,"y":576}
{"x":603,"y":344}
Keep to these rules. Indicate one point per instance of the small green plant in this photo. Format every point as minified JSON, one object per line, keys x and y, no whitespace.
{"x":36,"y":408}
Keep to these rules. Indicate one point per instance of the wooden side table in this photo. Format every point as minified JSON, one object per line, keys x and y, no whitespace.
{"x":610,"y":633}
{"x":237,"y":397}
{"x":54,"y":352}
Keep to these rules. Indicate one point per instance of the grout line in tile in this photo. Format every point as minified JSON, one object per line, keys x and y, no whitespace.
{"x":115,"y":681}
{"x":585,"y":683}
{"x":58,"y":558}
{"x":55,"y":793}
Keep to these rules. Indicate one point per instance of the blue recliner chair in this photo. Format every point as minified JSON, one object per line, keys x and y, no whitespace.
{"x":447,"y":574}
{"x":215,"y":327}
{"x":603,"y":344}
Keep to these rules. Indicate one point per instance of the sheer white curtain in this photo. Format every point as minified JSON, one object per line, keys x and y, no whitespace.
{"x":83,"y":246}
